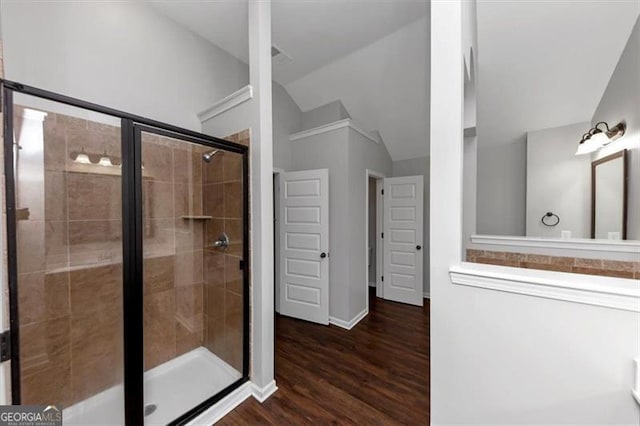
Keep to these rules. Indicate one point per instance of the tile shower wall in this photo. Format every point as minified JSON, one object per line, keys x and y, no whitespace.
{"x":576,"y":265}
{"x":222,"y":197}
{"x":69,"y":261}
{"x":173,"y":248}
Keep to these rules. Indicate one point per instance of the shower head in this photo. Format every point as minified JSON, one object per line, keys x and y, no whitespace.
{"x":209,"y":155}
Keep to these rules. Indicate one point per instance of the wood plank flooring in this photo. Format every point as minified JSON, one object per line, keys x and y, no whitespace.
{"x":375,"y":374}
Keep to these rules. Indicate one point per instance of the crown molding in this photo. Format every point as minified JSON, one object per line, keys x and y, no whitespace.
{"x":340,"y":124}
{"x":227,"y":103}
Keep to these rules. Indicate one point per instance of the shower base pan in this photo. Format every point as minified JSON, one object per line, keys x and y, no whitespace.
{"x":171,"y":389}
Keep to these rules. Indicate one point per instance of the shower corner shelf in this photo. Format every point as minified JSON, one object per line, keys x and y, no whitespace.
{"x":196,"y":217}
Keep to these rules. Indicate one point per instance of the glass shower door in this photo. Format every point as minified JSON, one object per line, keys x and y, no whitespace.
{"x":126,"y":252}
{"x":193,"y":224}
{"x":68,"y":272}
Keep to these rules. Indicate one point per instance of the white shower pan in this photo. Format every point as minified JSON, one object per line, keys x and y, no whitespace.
{"x":173,"y":387}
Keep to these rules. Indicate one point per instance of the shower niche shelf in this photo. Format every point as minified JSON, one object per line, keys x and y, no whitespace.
{"x":196,"y":217}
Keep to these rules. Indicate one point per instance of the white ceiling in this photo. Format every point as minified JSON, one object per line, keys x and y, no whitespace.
{"x":315,"y":33}
{"x":383,"y":86}
{"x":312,"y":32}
{"x":370,"y":54}
{"x":545,"y":64}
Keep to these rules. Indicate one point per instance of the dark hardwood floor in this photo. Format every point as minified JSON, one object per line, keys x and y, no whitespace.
{"x":376,"y":373}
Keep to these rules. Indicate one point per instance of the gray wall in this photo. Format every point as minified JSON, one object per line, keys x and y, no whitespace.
{"x":502,"y":188}
{"x":325,"y":114}
{"x":363,"y":154}
{"x":558,"y":181}
{"x":414,"y":167}
{"x":330,"y":151}
{"x":347,"y":154}
{"x":287,"y":119}
{"x":621,"y":101}
{"x":119,"y":54}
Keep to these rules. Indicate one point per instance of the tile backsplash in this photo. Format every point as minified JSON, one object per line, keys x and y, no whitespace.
{"x":577,"y":265}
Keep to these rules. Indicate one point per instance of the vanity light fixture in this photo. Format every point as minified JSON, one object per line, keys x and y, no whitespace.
{"x":599,"y":136}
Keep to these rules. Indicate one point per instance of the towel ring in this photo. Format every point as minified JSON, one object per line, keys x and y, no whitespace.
{"x":547,"y":215}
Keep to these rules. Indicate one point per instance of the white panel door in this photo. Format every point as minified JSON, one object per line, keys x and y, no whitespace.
{"x":304,"y":245}
{"x":403,"y":223}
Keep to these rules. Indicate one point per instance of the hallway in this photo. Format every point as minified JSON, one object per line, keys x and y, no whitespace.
{"x":376,"y":373}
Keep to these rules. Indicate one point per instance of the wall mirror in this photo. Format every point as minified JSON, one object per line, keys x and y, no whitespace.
{"x":552,"y":98}
{"x":609,"y":197}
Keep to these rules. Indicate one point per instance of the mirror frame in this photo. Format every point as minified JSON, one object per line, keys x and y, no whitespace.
{"x":625,"y":179}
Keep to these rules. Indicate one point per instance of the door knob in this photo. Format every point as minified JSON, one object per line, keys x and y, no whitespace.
{"x":323,"y":255}
{"x":418,"y":247}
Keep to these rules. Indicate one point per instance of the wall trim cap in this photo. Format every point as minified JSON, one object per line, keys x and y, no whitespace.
{"x":618,"y":246}
{"x":348,"y":325}
{"x":340,"y":124}
{"x":227,"y":103}
{"x":616,"y":293}
{"x":261,"y":394}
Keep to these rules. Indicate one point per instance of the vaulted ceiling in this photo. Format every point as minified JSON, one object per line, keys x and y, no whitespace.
{"x":370,"y":54}
{"x":384,"y":86}
{"x":545,"y":64}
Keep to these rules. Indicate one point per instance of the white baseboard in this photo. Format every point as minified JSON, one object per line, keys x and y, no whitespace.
{"x":262,"y":394}
{"x":372,"y":285}
{"x":427,"y":295}
{"x":349,"y":324}
{"x":231,"y":401}
{"x":224,"y":406}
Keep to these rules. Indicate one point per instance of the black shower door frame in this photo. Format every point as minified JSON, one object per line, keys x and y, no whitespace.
{"x":132,"y":127}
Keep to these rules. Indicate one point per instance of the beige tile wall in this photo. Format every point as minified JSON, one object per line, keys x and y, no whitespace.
{"x":70,"y":315}
{"x":223,"y":277}
{"x":610,"y":268}
{"x":174,"y":295}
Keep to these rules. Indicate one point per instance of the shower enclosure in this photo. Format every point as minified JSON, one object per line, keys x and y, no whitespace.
{"x":127,"y":262}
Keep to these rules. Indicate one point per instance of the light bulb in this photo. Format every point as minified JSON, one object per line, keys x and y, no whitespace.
{"x":105,"y":161}
{"x":588,"y":146}
{"x":600,"y":139}
{"x":82,"y":158}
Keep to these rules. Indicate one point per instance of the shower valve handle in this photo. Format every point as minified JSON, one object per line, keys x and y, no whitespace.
{"x":222,"y":241}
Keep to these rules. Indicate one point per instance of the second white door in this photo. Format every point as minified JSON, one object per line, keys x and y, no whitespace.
{"x":403,"y":234}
